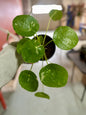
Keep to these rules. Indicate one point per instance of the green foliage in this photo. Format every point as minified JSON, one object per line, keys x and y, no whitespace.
{"x":20,"y":44}
{"x":55,"y":14}
{"x":53,"y":75}
{"x":40,"y":39}
{"x":31,"y":50}
{"x":65,"y":38}
{"x":25,"y":25}
{"x":42,"y":95}
{"x":28,"y":80}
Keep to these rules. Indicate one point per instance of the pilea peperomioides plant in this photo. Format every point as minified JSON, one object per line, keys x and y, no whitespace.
{"x":33,"y":50}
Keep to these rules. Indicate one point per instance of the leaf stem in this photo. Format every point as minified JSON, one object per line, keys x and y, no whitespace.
{"x":31,"y":67}
{"x":42,"y":84}
{"x":12,"y":35}
{"x":8,"y":36}
{"x":46,"y":30}
{"x":48,"y":43}
{"x":37,"y":36}
{"x":46,"y":58}
{"x":34,"y":37}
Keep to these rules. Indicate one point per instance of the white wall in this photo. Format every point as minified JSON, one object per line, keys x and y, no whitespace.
{"x":44,"y":18}
{"x":46,"y":2}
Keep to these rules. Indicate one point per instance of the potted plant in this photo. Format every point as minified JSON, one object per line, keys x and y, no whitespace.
{"x":33,"y":50}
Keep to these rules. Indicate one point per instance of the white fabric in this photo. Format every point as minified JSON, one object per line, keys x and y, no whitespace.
{"x":8,"y":64}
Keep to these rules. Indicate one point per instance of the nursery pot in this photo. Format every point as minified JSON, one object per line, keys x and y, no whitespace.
{"x":49,"y":47}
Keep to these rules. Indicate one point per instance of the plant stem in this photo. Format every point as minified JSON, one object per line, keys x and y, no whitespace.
{"x":12,"y":35}
{"x":34,"y":37}
{"x":31,"y":67}
{"x":42,"y":84}
{"x":46,"y":58}
{"x":48,"y":43}
{"x":46,"y":30}
{"x":7,"y":36}
{"x":37,"y":36}
{"x":45,"y":38}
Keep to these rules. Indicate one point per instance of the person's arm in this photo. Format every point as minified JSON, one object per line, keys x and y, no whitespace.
{"x":9,"y":63}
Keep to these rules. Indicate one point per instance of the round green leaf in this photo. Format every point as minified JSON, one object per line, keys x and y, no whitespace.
{"x":28,"y":80}
{"x":25,"y":25}
{"x":20,"y":44}
{"x":65,"y":38}
{"x":32,"y":51}
{"x":55,"y":14}
{"x":53,"y":75}
{"x":42,"y":95}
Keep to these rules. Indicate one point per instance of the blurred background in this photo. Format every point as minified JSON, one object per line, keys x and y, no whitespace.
{"x":68,"y":100}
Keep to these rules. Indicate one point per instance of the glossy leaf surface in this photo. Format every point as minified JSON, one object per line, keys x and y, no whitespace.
{"x":20,"y":44}
{"x":32,"y":51}
{"x":53,"y":75}
{"x":42,"y":95}
{"x":28,"y":80}
{"x":25,"y":25}
{"x":56,"y":14}
{"x":65,"y":38}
